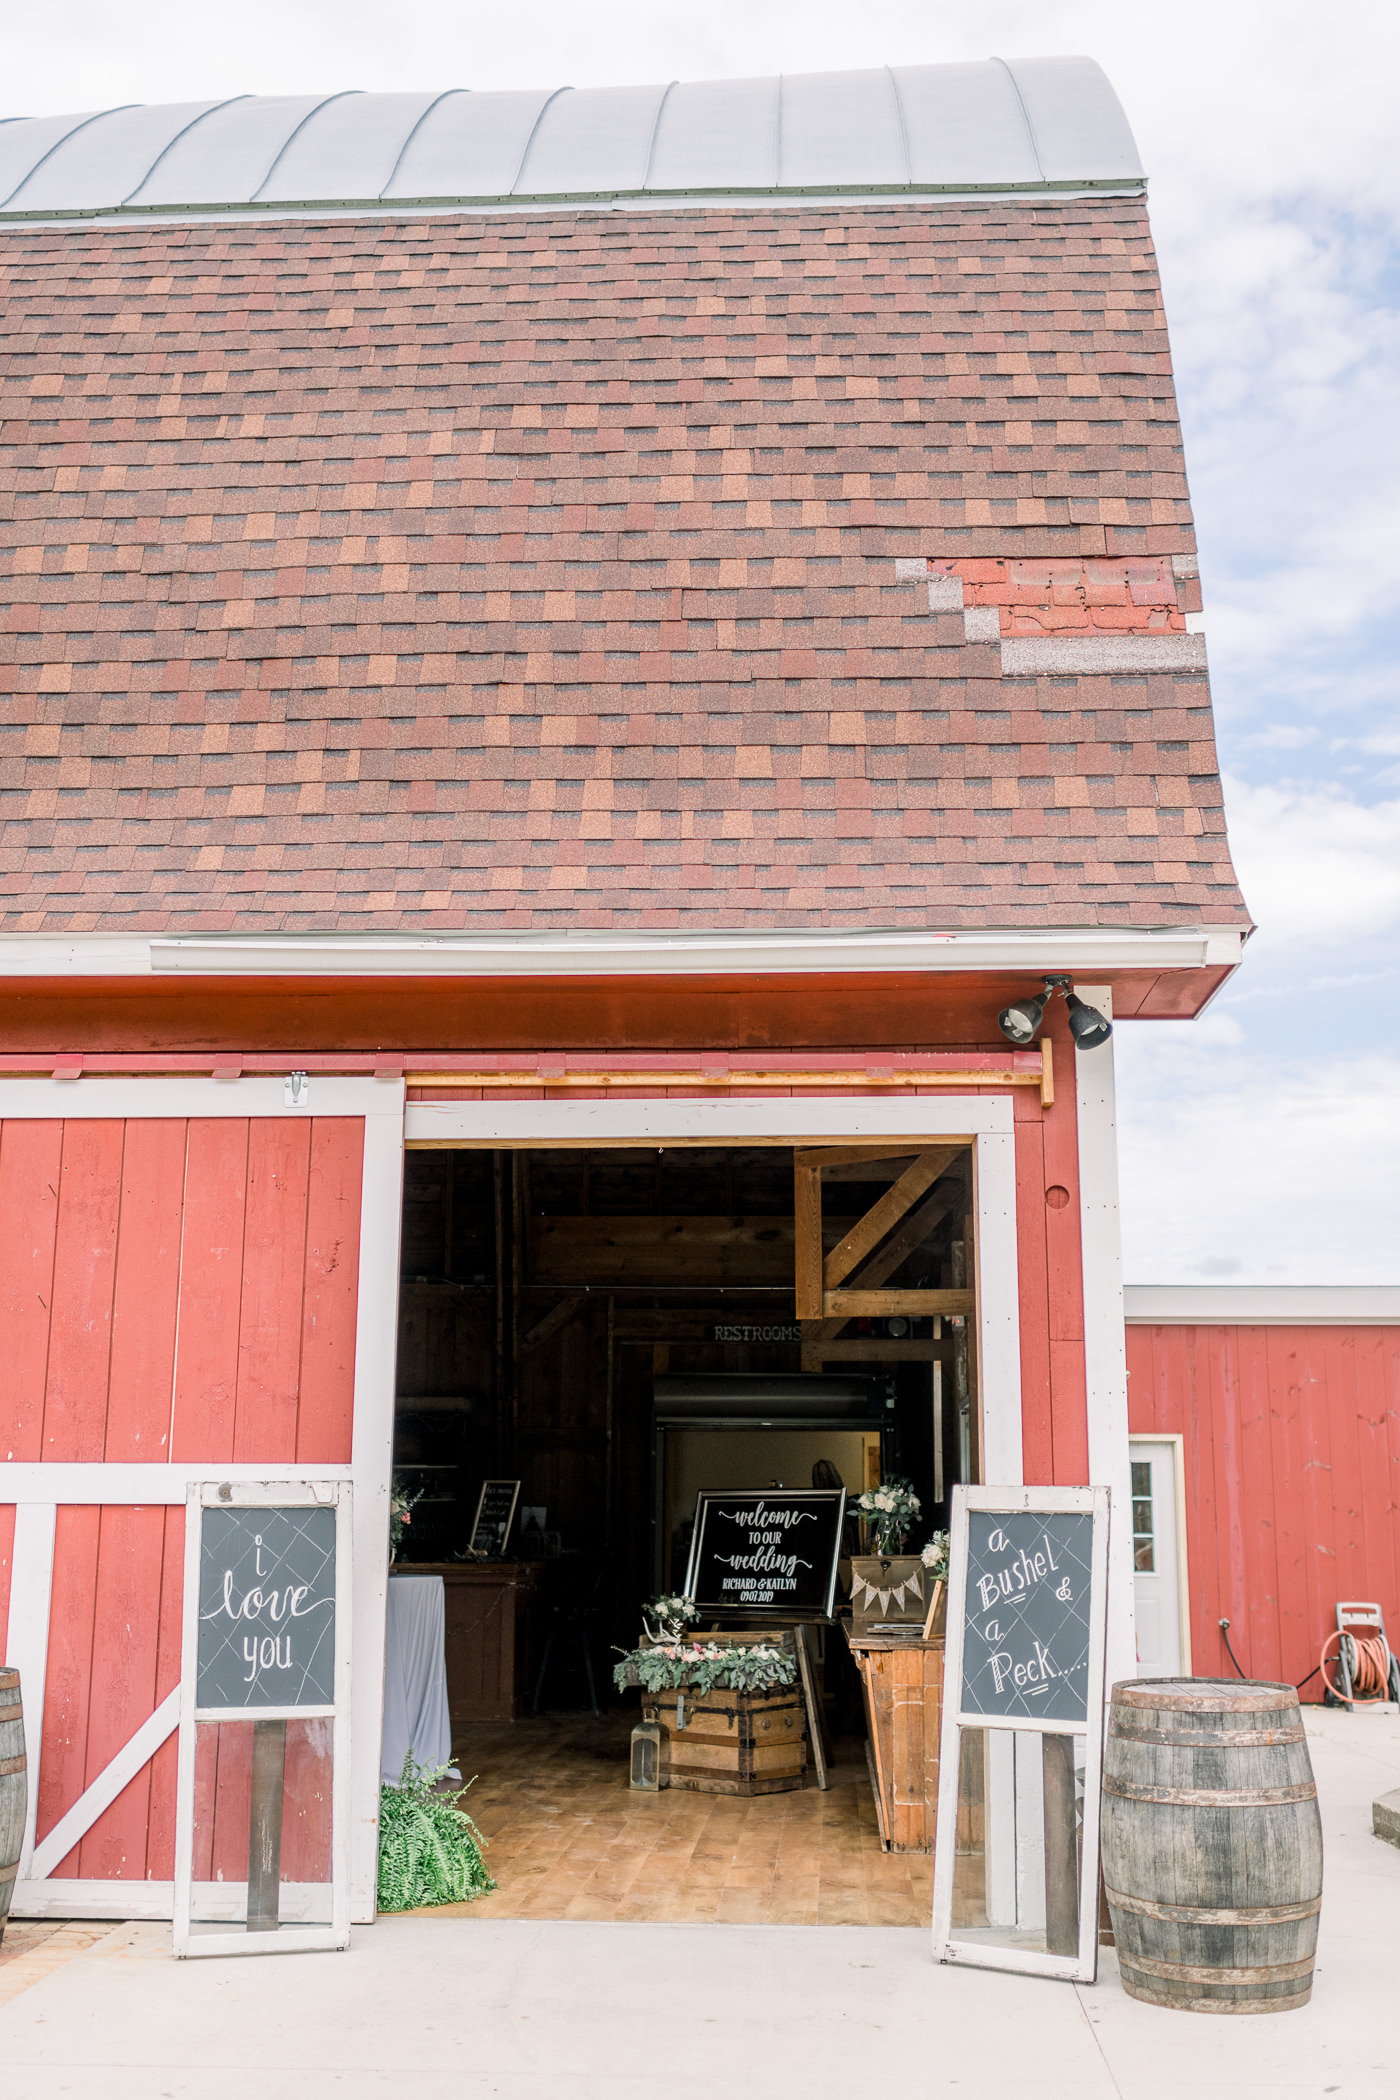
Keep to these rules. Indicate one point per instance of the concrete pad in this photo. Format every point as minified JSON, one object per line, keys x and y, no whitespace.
{"x":1385,"y":1817}
{"x":532,"y":2010}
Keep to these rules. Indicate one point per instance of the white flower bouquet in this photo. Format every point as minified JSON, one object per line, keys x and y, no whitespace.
{"x":935,"y":1556}
{"x":666,"y":1618}
{"x":889,"y":1510}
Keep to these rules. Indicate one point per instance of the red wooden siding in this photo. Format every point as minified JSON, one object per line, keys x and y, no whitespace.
{"x":170,"y":1288}
{"x":1292,"y":1476}
{"x":1050,"y":1274}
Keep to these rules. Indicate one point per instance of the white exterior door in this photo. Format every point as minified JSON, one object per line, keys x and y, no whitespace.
{"x":1159,"y":1559}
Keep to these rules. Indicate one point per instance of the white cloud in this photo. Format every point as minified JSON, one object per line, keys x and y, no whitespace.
{"x":1233,"y":1171}
{"x":1316,"y":865}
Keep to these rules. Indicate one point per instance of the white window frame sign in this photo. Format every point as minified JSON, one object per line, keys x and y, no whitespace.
{"x":1014,"y":1807}
{"x":228,"y":1900}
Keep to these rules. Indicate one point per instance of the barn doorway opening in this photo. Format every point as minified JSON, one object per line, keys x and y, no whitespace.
{"x":616,"y":1330}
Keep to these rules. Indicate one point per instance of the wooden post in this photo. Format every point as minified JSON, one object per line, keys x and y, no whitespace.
{"x":265,"y":1824}
{"x":1061,"y":1846}
{"x":807,"y":1229}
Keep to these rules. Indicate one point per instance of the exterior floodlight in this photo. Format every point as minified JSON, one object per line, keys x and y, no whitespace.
{"x":1086,"y":1024}
{"x":1019,"y":1022}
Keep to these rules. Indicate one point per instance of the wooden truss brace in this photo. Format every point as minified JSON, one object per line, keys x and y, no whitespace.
{"x":902,"y":1212}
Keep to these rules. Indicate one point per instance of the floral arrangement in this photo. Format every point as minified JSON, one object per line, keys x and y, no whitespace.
{"x":890,"y":1510}
{"x":702,"y":1666}
{"x":401,"y":1507}
{"x":429,"y":1848}
{"x":666,"y":1618}
{"x":935,"y":1556}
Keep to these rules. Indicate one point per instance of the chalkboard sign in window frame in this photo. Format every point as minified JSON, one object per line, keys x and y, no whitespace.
{"x":230,"y":1899}
{"x":960,"y":1716}
{"x":486,"y":1486}
{"x":826,"y":1498}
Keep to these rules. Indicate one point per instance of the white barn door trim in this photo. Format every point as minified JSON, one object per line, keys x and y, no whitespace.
{"x":39,"y":1491}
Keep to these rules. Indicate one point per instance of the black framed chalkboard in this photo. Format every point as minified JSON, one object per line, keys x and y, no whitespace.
{"x":266,"y":1608}
{"x":775,"y":1551}
{"x":495,"y":1513}
{"x":1028,"y":1615}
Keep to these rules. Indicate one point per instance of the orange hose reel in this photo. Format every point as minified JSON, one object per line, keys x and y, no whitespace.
{"x":1369,"y":1663}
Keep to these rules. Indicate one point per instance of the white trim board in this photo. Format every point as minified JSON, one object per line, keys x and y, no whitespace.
{"x":617,"y":954}
{"x":743,"y":1120}
{"x":113,"y":1095}
{"x":1262,"y":1305}
{"x":138,"y":1750}
{"x":1105,"y":1351}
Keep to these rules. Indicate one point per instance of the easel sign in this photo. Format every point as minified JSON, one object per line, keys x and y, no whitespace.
{"x":1016,"y":1868}
{"x":495,"y":1514}
{"x":262,"y":1816}
{"x":774,"y":1554}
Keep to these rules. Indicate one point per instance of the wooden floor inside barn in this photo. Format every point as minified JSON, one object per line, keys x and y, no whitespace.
{"x":569,"y":1839}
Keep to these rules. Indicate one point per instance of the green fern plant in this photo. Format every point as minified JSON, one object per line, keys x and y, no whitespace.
{"x":429,"y":1848}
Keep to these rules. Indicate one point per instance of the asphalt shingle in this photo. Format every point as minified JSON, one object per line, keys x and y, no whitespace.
{"x":573,"y":570}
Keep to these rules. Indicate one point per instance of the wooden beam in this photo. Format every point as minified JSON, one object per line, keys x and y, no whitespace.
{"x":558,"y":1316}
{"x":878,"y":1305}
{"x":872,"y":1170}
{"x":807,"y":1228}
{"x":1047,"y":1073}
{"x":881,"y":1265}
{"x":882,"y":1218}
{"x":828,"y":1156}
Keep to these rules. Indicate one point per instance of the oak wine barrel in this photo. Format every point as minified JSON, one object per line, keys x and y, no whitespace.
{"x":13,"y":1788}
{"x":1212,"y":1844}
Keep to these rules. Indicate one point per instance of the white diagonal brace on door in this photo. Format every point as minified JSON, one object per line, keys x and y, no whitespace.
{"x":110,"y":1781}
{"x":27,"y":1640}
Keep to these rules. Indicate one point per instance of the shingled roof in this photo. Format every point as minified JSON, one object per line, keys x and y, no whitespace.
{"x":721,"y":566}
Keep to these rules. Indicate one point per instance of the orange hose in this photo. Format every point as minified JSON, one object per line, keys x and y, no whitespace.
{"x":1370,"y":1666}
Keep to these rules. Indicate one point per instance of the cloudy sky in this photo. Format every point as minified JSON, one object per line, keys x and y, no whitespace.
{"x":1261,"y":1143}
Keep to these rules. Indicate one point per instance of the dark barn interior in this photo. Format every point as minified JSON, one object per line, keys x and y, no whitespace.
{"x":549,"y":1297}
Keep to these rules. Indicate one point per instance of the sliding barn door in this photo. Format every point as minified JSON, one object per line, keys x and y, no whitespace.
{"x":186,"y":1271}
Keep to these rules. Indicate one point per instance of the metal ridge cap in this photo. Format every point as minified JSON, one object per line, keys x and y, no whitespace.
{"x":788,"y":197}
{"x":1261,"y":1304}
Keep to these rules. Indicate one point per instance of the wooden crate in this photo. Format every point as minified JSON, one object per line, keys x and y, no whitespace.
{"x":903,"y":1681}
{"x":734,"y":1742}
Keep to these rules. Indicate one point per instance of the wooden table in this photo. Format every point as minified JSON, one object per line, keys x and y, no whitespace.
{"x":903,"y":1685}
{"x":491,"y":1611}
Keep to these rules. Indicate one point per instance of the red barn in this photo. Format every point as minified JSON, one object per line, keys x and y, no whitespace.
{"x":1268,"y":1419}
{"x":566,"y":656}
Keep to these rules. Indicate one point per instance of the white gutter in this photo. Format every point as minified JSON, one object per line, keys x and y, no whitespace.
{"x":618,"y":954}
{"x":1262,"y":1305}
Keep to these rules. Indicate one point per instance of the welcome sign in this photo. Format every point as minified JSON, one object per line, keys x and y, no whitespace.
{"x":770,"y":1552}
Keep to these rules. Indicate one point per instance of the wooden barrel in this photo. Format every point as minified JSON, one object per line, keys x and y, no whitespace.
{"x":1212,"y":1844}
{"x":13,"y":1788}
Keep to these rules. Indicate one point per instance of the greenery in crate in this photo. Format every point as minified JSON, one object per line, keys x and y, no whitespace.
{"x":429,"y":1849}
{"x":703,"y":1667}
